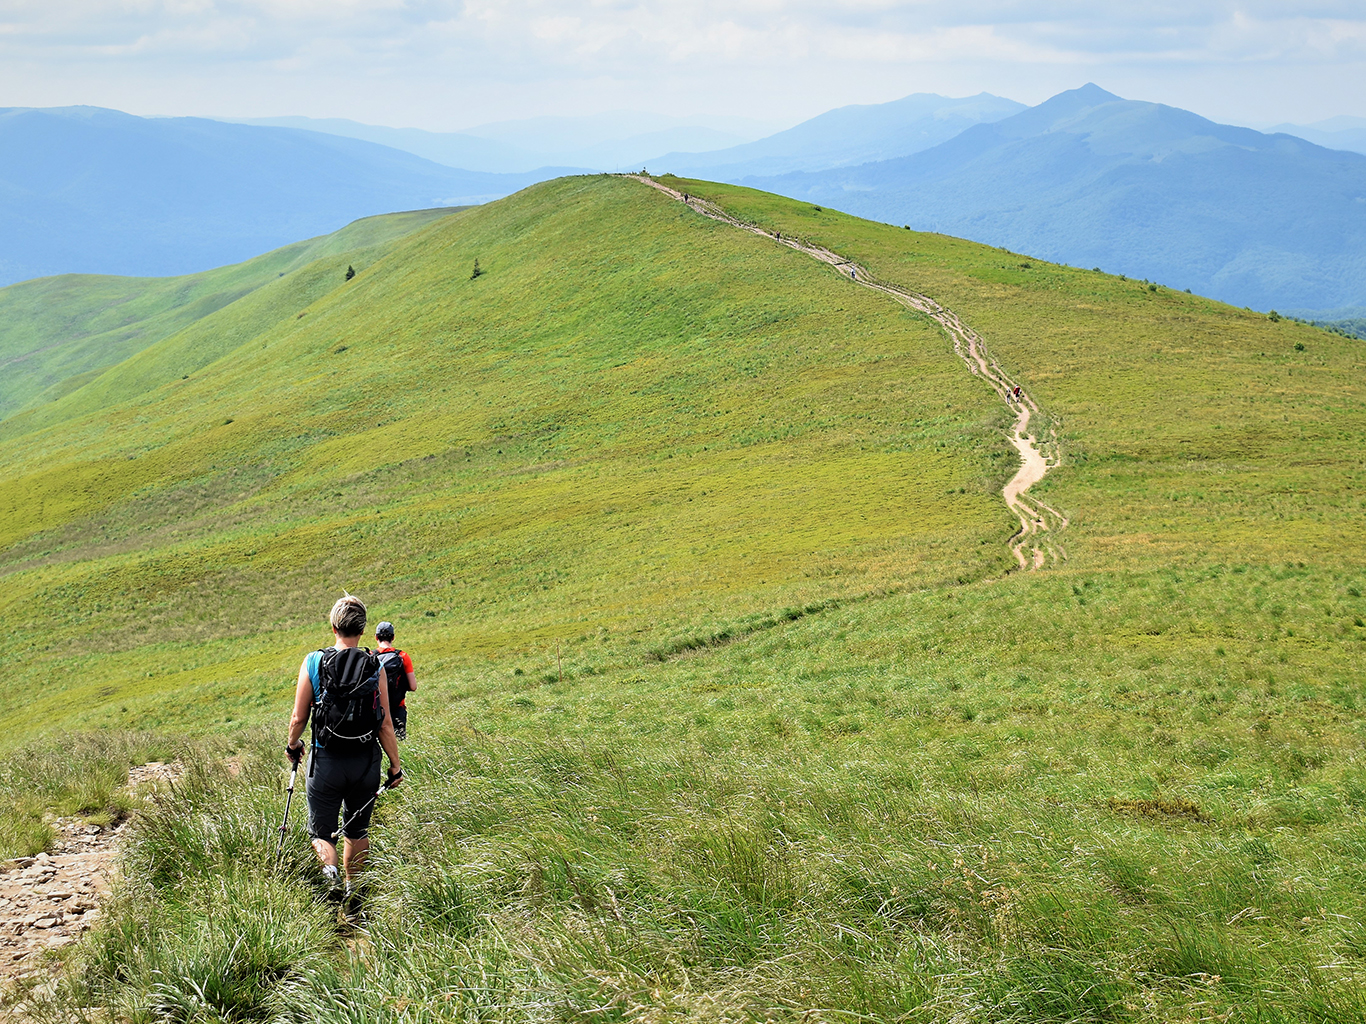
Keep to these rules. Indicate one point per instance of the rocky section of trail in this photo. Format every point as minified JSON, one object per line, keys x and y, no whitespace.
{"x":1037,"y":543}
{"x":47,"y":901}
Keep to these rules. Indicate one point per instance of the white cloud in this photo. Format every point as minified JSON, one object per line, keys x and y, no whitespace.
{"x":779,"y":57}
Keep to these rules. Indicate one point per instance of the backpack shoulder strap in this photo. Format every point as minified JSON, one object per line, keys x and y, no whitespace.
{"x":314,"y":663}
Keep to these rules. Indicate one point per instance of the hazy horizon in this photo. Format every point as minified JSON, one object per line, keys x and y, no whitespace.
{"x":447,"y":66}
{"x":755,"y":129}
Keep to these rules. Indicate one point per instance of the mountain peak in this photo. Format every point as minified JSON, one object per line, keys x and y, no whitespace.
{"x":1093,"y":93}
{"x":1074,"y":101}
{"x":1136,"y":186}
{"x":1062,"y":107}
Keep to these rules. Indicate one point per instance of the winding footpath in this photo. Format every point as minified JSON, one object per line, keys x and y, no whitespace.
{"x":48,"y":901}
{"x":1036,"y":543}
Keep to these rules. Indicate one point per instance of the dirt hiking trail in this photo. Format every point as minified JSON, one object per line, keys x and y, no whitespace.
{"x":47,"y":901}
{"x":1036,"y":544}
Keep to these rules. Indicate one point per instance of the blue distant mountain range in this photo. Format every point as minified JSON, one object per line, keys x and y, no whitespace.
{"x":83,"y":189}
{"x":1088,"y":178}
{"x":612,"y":141}
{"x":846,"y":136}
{"x":1335,"y":133}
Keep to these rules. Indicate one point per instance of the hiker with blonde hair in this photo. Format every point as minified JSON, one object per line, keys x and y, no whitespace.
{"x":342,"y":689}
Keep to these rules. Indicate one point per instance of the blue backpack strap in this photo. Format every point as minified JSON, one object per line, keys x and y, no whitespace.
{"x":313,"y":661}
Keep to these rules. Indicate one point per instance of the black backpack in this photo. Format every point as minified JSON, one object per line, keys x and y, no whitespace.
{"x":347,"y":713}
{"x":392,"y":662}
{"x":398,"y":690}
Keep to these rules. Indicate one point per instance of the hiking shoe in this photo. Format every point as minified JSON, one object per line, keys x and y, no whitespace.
{"x":353,"y":906}
{"x":333,"y":882}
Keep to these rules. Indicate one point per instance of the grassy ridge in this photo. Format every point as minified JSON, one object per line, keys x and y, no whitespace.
{"x":675,"y":432}
{"x":1193,"y":430}
{"x":59,"y":334}
{"x":1126,"y":790}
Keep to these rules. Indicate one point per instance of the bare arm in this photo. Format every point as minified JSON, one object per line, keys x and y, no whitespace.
{"x":412,"y":681}
{"x":387,"y":739}
{"x":303,"y":704}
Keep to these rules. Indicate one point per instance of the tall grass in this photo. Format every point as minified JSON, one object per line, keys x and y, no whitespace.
{"x":84,"y":777}
{"x":731,"y":877}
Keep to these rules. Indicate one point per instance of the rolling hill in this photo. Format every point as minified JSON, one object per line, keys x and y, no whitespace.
{"x":731,"y":702}
{"x":434,"y":327}
{"x":93,"y":191}
{"x":58,"y":332}
{"x":1267,"y":221}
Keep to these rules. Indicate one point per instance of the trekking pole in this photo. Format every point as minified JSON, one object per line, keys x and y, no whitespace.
{"x":388,"y":783}
{"x":289,"y":799}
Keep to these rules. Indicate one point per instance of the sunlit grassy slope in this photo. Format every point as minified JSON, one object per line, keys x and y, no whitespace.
{"x":907,"y":787}
{"x":58,"y":333}
{"x":1194,"y":432}
{"x":635,"y":426}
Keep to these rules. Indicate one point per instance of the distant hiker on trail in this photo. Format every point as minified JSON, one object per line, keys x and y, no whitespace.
{"x":344,"y":690}
{"x":399,"y":669}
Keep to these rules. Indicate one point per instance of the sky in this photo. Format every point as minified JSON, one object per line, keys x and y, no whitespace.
{"x":444,"y":65}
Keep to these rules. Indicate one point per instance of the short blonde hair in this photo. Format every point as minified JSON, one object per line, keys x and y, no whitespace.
{"x":348,"y":616}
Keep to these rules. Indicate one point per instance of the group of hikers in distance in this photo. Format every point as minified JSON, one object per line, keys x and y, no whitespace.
{"x":356,"y":701}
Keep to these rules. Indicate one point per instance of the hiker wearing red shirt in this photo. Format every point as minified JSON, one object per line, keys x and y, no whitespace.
{"x":399,"y":669}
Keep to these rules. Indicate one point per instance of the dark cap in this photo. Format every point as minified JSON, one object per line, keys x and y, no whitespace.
{"x":384,"y":631}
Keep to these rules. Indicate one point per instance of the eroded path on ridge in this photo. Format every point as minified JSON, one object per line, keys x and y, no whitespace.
{"x":47,"y":901}
{"x":1037,"y":543}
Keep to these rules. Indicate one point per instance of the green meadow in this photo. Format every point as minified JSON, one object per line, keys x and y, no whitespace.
{"x":58,"y":333}
{"x":731,"y":706}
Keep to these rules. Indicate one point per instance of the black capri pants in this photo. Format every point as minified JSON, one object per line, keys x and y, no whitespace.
{"x":342,"y":783}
